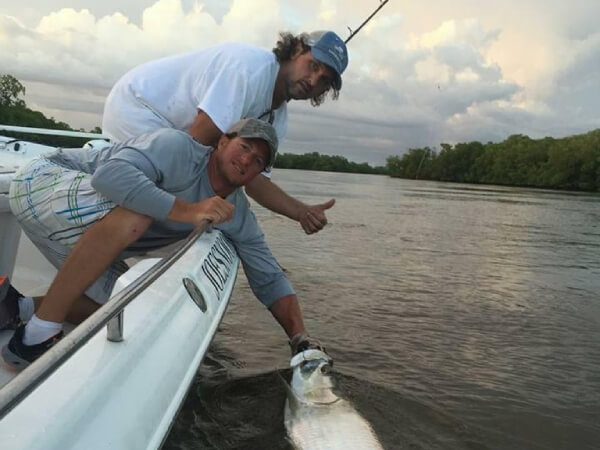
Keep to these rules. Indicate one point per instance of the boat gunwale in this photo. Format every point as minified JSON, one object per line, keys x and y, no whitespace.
{"x":35,"y":374}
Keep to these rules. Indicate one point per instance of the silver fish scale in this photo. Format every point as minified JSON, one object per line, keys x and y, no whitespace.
{"x":333,"y":427}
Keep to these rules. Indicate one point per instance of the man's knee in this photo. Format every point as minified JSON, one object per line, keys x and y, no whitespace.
{"x":125,"y":226}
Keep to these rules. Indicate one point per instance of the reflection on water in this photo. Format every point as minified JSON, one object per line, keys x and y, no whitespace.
{"x":459,"y":316}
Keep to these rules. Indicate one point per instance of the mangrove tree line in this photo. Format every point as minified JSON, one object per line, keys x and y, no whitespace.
{"x":568,"y":163}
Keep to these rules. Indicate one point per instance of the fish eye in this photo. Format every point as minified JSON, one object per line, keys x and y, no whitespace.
{"x":309,"y":365}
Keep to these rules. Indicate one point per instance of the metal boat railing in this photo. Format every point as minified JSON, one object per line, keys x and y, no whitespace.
{"x":31,"y":130}
{"x":110,"y":315}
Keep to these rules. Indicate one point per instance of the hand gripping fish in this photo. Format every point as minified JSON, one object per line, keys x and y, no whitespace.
{"x":316,"y":418}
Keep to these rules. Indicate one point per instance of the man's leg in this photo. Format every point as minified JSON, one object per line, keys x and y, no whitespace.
{"x":91,"y":256}
{"x":97,"y":248}
{"x":83,"y":308}
{"x":81,"y":233}
{"x":16,"y":307}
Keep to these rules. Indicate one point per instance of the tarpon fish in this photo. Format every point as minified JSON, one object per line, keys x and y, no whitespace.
{"x":315,"y":417}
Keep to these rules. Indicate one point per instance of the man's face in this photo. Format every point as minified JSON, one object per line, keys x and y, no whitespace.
{"x":308,"y":77}
{"x":239,"y":160}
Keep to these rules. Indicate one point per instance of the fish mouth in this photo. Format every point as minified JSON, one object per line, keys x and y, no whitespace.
{"x":304,"y":357}
{"x":312,"y":365}
{"x":312,"y":382}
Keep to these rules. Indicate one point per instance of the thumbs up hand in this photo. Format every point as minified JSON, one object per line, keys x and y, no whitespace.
{"x":313,"y":218}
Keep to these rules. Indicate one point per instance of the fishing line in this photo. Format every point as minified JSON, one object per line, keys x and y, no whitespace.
{"x":353,"y":33}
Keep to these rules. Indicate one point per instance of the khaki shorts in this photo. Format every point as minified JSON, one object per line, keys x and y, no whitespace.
{"x":55,"y":205}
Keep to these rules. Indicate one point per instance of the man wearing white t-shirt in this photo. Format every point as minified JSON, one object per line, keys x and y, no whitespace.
{"x":206,"y":91}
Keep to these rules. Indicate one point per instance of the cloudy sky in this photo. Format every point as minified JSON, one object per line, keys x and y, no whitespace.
{"x":421,"y":73}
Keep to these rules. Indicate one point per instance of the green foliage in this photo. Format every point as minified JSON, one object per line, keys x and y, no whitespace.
{"x":10,"y":91}
{"x":568,"y":163}
{"x":316,"y":161}
{"x":14,"y":111}
{"x":417,"y":163}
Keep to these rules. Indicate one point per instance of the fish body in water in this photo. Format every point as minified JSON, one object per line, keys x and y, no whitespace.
{"x":315,"y":417}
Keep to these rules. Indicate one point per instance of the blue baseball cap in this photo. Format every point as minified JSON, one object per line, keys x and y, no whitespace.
{"x":328,"y":48}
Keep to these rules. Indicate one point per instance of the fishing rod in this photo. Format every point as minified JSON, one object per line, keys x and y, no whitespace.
{"x":353,"y":33}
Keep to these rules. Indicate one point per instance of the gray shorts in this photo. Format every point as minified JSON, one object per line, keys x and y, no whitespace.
{"x":55,"y":205}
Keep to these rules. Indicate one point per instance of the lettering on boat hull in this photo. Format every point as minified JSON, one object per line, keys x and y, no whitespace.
{"x":218,"y":264}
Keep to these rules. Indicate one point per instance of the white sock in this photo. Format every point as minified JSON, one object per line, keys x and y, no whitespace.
{"x":26,"y":308}
{"x":38,"y":330}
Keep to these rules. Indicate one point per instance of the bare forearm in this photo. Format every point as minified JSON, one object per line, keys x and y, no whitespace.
{"x":312,"y":218}
{"x":182,"y":211}
{"x":287,"y":312}
{"x":204,"y":130}
{"x":272,"y":197}
{"x":213,"y":209}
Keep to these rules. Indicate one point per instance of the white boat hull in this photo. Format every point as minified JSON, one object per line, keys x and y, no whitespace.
{"x":124,"y":395}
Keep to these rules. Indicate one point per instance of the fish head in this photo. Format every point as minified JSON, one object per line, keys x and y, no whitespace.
{"x":311,"y":377}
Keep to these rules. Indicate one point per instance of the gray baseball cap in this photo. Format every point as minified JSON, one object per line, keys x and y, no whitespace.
{"x":258,"y":129}
{"x":328,"y":48}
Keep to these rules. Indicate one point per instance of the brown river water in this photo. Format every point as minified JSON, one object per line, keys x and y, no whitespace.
{"x":459,"y":317}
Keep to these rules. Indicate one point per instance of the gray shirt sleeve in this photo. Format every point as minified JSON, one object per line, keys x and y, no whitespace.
{"x":266,"y":279}
{"x":145,"y":173}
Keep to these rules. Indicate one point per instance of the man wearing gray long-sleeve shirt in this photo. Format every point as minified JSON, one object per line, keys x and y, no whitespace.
{"x":150,"y":198}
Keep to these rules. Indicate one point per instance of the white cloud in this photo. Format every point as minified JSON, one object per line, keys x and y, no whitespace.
{"x":418,"y":74}
{"x":432,"y":71}
{"x":467,"y":76}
